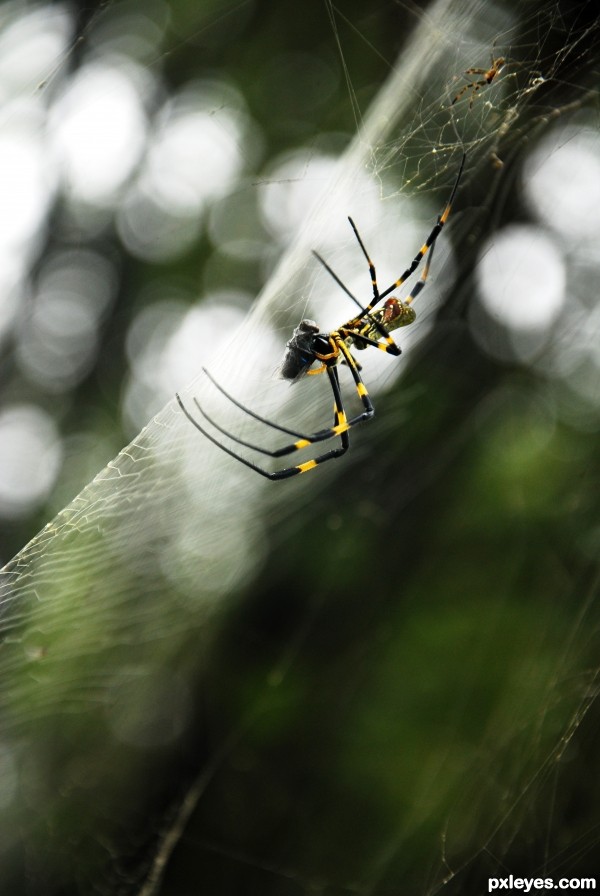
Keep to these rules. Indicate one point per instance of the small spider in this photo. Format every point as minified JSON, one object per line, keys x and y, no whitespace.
{"x":498,"y":63}
{"x":308,"y":346}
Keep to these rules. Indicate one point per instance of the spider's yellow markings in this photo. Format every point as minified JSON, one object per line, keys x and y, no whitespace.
{"x":385,"y":346}
{"x":361,"y":389}
{"x":445,"y":214}
{"x":342,"y":424}
{"x":340,"y":427}
{"x":309,"y":465}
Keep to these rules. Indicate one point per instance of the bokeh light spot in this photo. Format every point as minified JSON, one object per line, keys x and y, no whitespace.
{"x":168,"y":343}
{"x":561,"y":181}
{"x":195,"y":158}
{"x":521,"y":278}
{"x":59,"y":342}
{"x":30,"y":456}
{"x":31,"y":48}
{"x":99,"y":129}
{"x":25,"y":180}
{"x":294,"y":184}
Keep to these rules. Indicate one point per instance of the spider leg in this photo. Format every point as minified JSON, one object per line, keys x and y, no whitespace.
{"x":422,"y":281}
{"x":339,"y":282}
{"x":337,"y":430}
{"x":470,"y":84}
{"x":340,"y":428}
{"x":364,"y":396}
{"x":461,"y":92}
{"x":372,"y":271}
{"x":249,"y":411}
{"x":435,"y":232}
{"x":229,"y":451}
{"x":303,"y":440}
{"x":476,"y":87}
{"x":384,"y":346}
{"x":388,"y":345}
{"x":393,"y":348}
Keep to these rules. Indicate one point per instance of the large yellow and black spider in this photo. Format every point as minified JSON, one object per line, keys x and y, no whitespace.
{"x":308,"y":346}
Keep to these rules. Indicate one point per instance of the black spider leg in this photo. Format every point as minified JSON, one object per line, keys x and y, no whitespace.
{"x":287,"y":472}
{"x":341,"y":425}
{"x":435,"y":232}
{"x":422,"y":281}
{"x":393,"y":348}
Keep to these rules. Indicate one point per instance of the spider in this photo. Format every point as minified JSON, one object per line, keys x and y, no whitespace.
{"x":498,"y":63}
{"x":309,"y":346}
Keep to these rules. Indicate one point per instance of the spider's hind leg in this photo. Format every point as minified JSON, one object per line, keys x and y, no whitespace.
{"x":339,"y":429}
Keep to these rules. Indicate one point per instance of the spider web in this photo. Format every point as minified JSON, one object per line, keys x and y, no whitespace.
{"x":128,"y":605}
